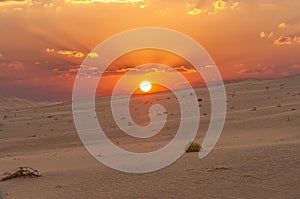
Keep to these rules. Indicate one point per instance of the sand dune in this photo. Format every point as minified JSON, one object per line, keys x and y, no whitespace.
{"x":257,"y":155}
{"x":11,"y":102}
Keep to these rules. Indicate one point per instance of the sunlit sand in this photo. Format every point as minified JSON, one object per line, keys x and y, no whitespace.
{"x":257,"y":155}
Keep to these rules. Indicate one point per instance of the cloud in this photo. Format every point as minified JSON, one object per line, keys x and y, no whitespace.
{"x":283,"y":40}
{"x":296,"y":66}
{"x":270,"y":70}
{"x":182,"y":69}
{"x":220,"y":5}
{"x":125,"y":70}
{"x":50,"y":50}
{"x":266,"y":35}
{"x":69,"y":53}
{"x":297,"y":39}
{"x":195,"y":11}
{"x":89,"y":71}
{"x":235,"y":5}
{"x":15,"y":65}
{"x":103,"y":1}
{"x":72,"y":53}
{"x":66,"y":72}
{"x":287,"y":40}
{"x":291,"y":25}
{"x":15,"y":2}
{"x":7,"y":6}
{"x":93,"y":55}
{"x":212,"y":8}
{"x":185,"y":69}
{"x":247,"y":71}
{"x":292,"y":22}
{"x":256,"y":70}
{"x":282,"y":25}
{"x":12,"y":64}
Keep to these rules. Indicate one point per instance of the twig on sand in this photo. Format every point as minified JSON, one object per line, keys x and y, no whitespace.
{"x":19,"y":172}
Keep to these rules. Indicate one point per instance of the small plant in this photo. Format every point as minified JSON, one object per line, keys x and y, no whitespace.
{"x":192,"y":147}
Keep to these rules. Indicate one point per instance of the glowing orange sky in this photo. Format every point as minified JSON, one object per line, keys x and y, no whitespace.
{"x":43,"y":43}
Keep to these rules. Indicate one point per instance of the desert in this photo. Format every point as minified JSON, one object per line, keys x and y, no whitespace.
{"x":257,"y":155}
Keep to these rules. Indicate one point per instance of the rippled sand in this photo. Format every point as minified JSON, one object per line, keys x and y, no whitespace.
{"x":257,"y":155}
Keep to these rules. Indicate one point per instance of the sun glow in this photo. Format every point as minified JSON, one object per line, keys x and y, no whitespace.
{"x":145,"y":86}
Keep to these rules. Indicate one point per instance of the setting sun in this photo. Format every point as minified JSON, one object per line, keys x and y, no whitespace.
{"x":145,"y":86}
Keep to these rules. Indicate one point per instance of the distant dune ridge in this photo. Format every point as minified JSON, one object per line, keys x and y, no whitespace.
{"x":12,"y":102}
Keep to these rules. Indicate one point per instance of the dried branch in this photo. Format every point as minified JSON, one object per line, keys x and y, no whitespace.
{"x":19,"y":172}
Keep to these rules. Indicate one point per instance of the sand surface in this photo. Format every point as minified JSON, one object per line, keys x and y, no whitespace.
{"x":257,"y":156}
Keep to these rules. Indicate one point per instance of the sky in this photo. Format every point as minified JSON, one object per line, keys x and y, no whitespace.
{"x":43,"y":43}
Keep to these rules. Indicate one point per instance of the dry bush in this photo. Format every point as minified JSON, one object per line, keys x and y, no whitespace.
{"x":20,"y":172}
{"x":193,"y":147}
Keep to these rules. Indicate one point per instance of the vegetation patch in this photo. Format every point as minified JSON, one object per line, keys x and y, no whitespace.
{"x":192,"y":147}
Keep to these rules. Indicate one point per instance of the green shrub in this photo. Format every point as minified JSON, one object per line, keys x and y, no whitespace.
{"x":192,"y":147}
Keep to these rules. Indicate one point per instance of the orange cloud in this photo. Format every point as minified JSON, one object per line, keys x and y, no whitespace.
{"x":282,"y":25}
{"x":15,"y":2}
{"x":93,"y":71}
{"x":220,"y":5}
{"x":287,"y":40}
{"x":66,"y":72}
{"x":257,"y":70}
{"x":297,"y":39}
{"x":283,"y":40}
{"x":50,"y":50}
{"x":261,"y":70}
{"x":12,"y":64}
{"x":296,"y":66}
{"x":182,"y":69}
{"x":266,"y":35}
{"x":234,"y":5}
{"x":93,"y":55}
{"x":195,"y":11}
{"x":15,"y":65}
{"x":103,"y":1}
{"x":68,"y":53}
{"x":124,"y":70}
{"x":214,"y":8}
{"x":185,"y":69}
{"x":72,"y":53}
